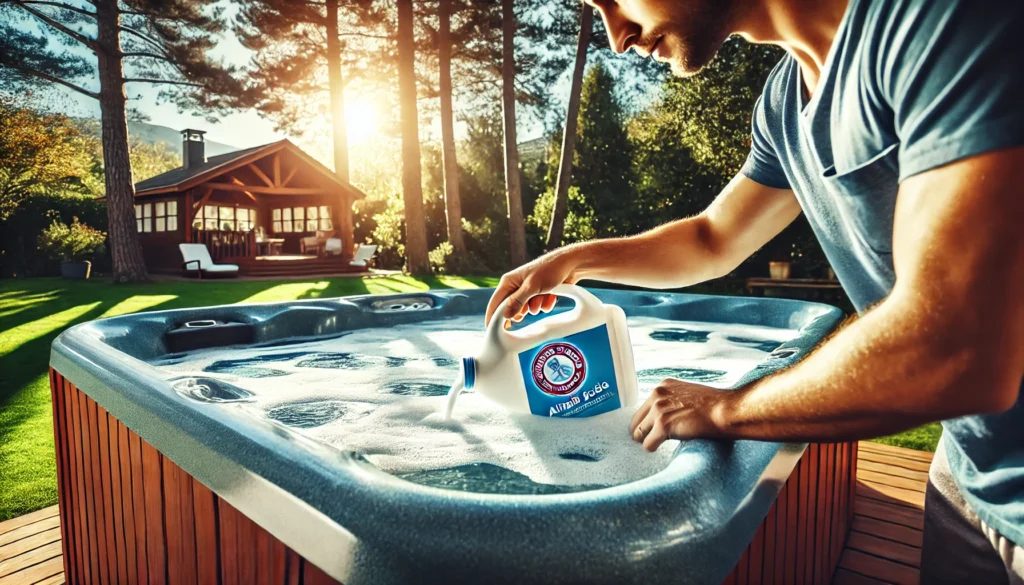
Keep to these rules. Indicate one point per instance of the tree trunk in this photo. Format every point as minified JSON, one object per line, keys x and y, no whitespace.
{"x":412,"y":187}
{"x":557,"y":227}
{"x":516,"y":226}
{"x":125,"y":249}
{"x":339,"y":130}
{"x":452,"y":204}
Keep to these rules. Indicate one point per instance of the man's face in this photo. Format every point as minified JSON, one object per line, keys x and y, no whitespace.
{"x":683,"y":33}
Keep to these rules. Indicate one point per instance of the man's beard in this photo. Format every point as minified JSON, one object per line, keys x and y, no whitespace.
{"x":693,"y":37}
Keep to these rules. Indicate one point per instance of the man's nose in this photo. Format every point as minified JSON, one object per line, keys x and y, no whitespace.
{"x":622,"y":32}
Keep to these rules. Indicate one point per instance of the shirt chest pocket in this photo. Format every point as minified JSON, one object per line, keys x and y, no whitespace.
{"x":865,"y":197}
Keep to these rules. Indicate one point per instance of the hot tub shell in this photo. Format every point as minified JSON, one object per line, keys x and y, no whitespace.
{"x":156,"y":488}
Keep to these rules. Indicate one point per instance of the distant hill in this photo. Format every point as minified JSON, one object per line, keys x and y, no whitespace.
{"x":153,"y":133}
{"x":533,"y":152}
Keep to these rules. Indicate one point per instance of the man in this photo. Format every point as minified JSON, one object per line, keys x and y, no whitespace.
{"x":897,"y":127}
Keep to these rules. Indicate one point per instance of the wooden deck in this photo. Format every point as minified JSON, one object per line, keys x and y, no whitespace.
{"x":884,"y":545}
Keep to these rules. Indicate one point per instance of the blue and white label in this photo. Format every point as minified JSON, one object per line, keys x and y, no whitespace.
{"x":571,"y":377}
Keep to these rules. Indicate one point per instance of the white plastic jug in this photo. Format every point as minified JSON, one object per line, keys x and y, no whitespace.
{"x":573,"y":364}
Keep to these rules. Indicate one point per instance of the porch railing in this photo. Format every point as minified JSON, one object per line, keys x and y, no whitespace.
{"x":226,"y":244}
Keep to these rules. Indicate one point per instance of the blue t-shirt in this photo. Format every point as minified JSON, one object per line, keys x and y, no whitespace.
{"x":909,"y":85}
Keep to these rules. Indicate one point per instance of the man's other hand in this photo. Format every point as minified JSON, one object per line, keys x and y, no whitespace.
{"x":678,"y":410}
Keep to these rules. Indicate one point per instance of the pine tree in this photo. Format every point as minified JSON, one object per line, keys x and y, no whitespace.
{"x":412,"y":173}
{"x":452,"y":203}
{"x":603,"y":156}
{"x":513,"y":189}
{"x":79,"y":48}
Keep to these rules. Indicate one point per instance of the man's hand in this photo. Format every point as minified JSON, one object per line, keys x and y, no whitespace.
{"x":678,"y":410}
{"x":527,"y":284}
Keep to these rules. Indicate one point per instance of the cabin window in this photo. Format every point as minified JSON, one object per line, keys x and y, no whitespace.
{"x":165,"y":216}
{"x":225,"y":219}
{"x":301,"y":219}
{"x":144,"y":217}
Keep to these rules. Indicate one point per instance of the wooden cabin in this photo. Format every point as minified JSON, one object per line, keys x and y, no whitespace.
{"x":264,"y":208}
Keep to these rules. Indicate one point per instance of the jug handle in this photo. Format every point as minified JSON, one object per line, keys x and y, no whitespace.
{"x":585,"y":300}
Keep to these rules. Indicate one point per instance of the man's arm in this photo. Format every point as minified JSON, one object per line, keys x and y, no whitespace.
{"x":743,"y":217}
{"x":947,"y":342}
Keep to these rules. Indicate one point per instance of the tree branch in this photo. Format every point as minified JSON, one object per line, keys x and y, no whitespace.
{"x":59,"y":5}
{"x":170,"y":81}
{"x":146,"y":54}
{"x":92,"y":44}
{"x":50,"y":78}
{"x":141,"y":35}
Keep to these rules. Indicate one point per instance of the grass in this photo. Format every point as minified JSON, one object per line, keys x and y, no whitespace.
{"x":34,"y":311}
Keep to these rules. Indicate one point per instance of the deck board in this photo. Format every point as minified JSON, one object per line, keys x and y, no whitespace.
{"x":884,"y":545}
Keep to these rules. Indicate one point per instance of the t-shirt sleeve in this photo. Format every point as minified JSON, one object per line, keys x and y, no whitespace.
{"x":952,"y":72}
{"x":762,"y":164}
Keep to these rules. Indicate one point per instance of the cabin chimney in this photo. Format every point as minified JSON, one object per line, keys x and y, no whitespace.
{"x":193,"y":148}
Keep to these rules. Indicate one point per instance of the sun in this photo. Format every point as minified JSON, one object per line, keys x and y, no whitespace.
{"x":362,"y":121}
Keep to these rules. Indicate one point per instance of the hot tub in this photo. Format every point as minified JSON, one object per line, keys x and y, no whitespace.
{"x":172,"y":478}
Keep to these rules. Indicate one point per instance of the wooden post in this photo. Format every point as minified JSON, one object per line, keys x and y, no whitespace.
{"x":189,"y":214}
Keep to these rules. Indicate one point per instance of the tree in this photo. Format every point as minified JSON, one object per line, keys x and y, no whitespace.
{"x":513,"y":190}
{"x":297,"y":46}
{"x":39,"y":153}
{"x":164,"y":42}
{"x":556,"y":228}
{"x":452,"y":204}
{"x":412,"y":174}
{"x":603,"y":156}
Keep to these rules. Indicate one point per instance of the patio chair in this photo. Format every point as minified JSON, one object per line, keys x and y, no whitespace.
{"x":197,"y":257}
{"x":363,"y":255}
{"x":317,"y":242}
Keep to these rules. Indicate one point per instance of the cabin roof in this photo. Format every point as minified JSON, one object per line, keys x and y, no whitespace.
{"x":181,"y":179}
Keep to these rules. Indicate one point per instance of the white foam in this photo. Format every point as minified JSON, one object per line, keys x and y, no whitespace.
{"x":401,"y":433}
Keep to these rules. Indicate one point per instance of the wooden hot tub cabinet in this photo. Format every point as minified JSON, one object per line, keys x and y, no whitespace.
{"x":130,"y":515}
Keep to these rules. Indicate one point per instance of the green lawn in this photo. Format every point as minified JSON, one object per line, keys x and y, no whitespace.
{"x":34,"y":311}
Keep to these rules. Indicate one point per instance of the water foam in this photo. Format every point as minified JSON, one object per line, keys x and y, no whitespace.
{"x":380,"y":392}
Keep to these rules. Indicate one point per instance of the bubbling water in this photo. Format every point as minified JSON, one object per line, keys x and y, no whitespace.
{"x":380,"y":392}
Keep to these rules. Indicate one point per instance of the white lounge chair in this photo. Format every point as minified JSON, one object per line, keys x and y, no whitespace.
{"x":197,"y":258}
{"x":363,"y":255}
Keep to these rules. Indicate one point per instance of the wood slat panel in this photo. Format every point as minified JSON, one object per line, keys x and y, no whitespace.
{"x":91,"y":533}
{"x":135,"y":517}
{"x":879,"y":568}
{"x":131,"y":538}
{"x":60,"y":453}
{"x":156,"y":545}
{"x":139,"y":506}
{"x":82,"y":569}
{"x":207,"y":547}
{"x":801,"y":537}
